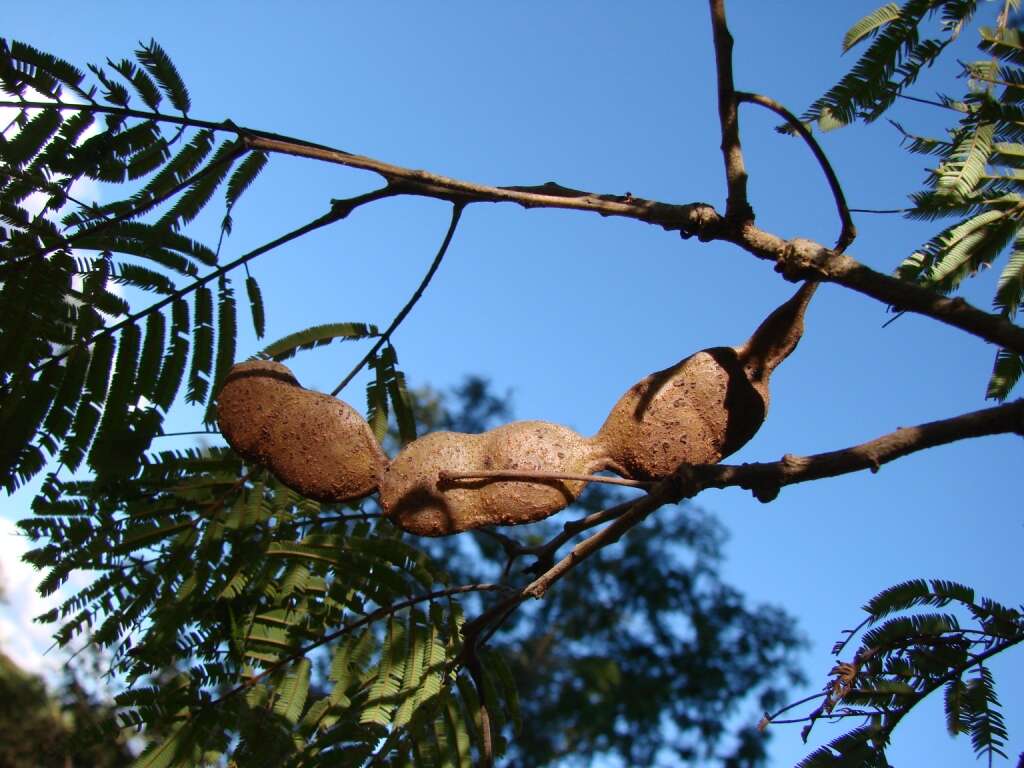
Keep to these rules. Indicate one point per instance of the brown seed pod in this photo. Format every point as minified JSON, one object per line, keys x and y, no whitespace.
{"x":696,"y":412}
{"x":705,"y":407}
{"x":315,"y":444}
{"x":418,"y":498}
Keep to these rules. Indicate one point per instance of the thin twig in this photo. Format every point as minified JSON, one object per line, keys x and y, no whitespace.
{"x":765,"y":479}
{"x":529,"y":475}
{"x":345,"y":206}
{"x":770,"y":718}
{"x":848,"y":231}
{"x":386,"y":336}
{"x":800,"y":259}
{"x":929,"y":102}
{"x":545,"y":553}
{"x":318,"y":518}
{"x":160,"y":117}
{"x":880,"y":210}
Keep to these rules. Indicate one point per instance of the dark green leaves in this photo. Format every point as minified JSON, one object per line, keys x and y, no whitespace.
{"x":160,"y":66}
{"x":317,"y":336}
{"x":244,"y":176}
{"x":870,"y":24}
{"x":388,"y":385}
{"x":252,"y":289}
{"x":23,"y":67}
{"x":197,"y":556}
{"x":60,"y":267}
{"x":905,"y":658}
{"x":892,"y":62}
{"x":978,"y":180}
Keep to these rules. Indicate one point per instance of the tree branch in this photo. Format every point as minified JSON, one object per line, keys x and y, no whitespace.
{"x":763,"y":479}
{"x":881,"y":210}
{"x":687,"y":219}
{"x":797,"y":259}
{"x":386,"y":336}
{"x":800,"y":259}
{"x":737,"y":207}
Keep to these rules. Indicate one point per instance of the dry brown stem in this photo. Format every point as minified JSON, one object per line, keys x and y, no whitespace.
{"x":848,"y":231}
{"x":796,"y":259}
{"x":737,"y":208}
{"x":438,"y":258}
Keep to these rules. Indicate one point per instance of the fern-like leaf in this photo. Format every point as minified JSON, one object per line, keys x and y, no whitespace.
{"x":1006,"y":372}
{"x":259,"y":322}
{"x":987,"y":728}
{"x":155,"y":59}
{"x":202,"y":346}
{"x":292,"y":693}
{"x":870,"y":24}
{"x":244,"y":176}
{"x":227,"y":330}
{"x":317,"y":336}
{"x":382,"y":697}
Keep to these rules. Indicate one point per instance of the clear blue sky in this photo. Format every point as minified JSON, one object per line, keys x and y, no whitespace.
{"x":566,"y":309}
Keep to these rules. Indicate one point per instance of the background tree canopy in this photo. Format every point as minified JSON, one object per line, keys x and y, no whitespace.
{"x":249,"y":621}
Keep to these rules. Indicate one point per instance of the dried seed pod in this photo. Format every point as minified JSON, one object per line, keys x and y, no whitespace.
{"x":418,"y":498}
{"x":318,"y":445}
{"x":698,"y":411}
{"x":705,"y":407}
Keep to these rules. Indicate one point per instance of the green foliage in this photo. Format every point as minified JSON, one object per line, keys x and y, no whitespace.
{"x":387,"y":385}
{"x":906,"y":655}
{"x":61,"y":259}
{"x":317,"y":336}
{"x":979,"y":175}
{"x":892,"y":62}
{"x":257,"y":626}
{"x":237,"y":581}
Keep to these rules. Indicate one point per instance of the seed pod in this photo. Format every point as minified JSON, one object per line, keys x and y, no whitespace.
{"x":315,"y":444}
{"x":417,"y":497}
{"x":705,"y":407}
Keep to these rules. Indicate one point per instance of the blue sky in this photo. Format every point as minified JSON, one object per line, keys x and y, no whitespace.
{"x":567,"y":310}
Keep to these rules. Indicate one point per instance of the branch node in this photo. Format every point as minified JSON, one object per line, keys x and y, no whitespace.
{"x":795,"y":261}
{"x":684,"y":483}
